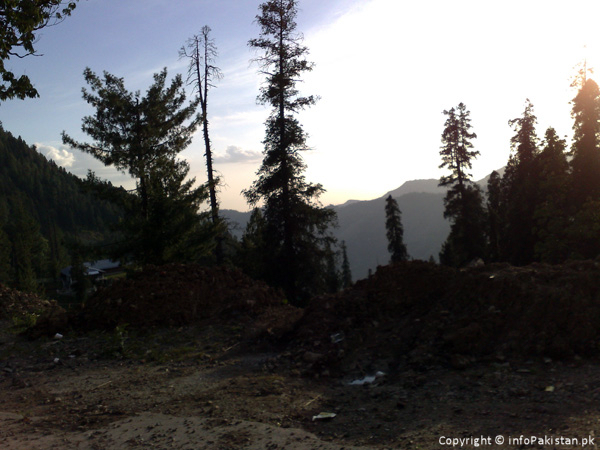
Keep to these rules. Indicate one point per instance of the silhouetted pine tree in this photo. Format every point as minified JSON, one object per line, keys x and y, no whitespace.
{"x":520,"y":184}
{"x":584,"y":225}
{"x":251,"y":255}
{"x":346,"y":272}
{"x":463,"y":202}
{"x":585,"y":151}
{"x":551,"y":218}
{"x":332,"y":274}
{"x":394,"y":231}
{"x":296,"y":223}
{"x":495,"y":216}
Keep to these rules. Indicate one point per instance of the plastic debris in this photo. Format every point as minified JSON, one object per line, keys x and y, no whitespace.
{"x":337,"y":337}
{"x":58,"y":336}
{"x":549,"y":389}
{"x":367,"y":380}
{"x":324,"y":416}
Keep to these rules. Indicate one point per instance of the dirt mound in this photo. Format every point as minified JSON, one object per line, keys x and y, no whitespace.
{"x":19,"y":305}
{"x":178,"y":294}
{"x":422,"y":314}
{"x":38,"y":316}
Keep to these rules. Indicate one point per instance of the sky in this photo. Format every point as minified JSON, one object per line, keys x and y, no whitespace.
{"x":385,"y":71}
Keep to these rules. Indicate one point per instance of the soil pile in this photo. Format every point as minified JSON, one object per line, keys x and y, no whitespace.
{"x":19,"y":305}
{"x":182,"y":294}
{"x":423,"y":314}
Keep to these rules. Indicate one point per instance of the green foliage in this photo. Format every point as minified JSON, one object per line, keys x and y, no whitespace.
{"x":251,"y":256}
{"x":143,"y":137}
{"x":346,"y":273}
{"x":41,"y":208}
{"x":295,"y":222}
{"x":5,"y":251}
{"x":28,"y":249}
{"x":394,"y":231}
{"x":25,"y":321}
{"x":20,"y":25}
{"x":48,"y":192}
{"x":115,"y":345}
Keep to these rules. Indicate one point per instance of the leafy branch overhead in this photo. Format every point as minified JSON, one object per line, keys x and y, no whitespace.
{"x":20,"y":22}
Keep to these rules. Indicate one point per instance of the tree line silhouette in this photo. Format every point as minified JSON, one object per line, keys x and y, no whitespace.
{"x":545,"y":207}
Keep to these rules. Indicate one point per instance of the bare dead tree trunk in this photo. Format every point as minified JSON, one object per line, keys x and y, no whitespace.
{"x":202,"y":52}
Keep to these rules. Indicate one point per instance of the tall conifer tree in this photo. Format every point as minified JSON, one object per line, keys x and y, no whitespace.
{"x":551,"y":213}
{"x":296,"y":223}
{"x":584,"y":225}
{"x":520,"y":182}
{"x":346,"y":272}
{"x":495,"y":216}
{"x":394,"y":231}
{"x":585,"y":150}
{"x":463,"y":202}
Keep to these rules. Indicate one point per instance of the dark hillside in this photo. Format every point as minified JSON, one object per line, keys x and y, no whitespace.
{"x":43,"y":208}
{"x":48,"y":192}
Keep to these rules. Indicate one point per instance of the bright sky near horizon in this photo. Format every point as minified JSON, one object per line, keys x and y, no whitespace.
{"x":384,"y":69}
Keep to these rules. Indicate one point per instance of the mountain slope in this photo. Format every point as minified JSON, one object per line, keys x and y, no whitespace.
{"x":50,"y":194}
{"x":362,"y":225}
{"x":42,"y":207}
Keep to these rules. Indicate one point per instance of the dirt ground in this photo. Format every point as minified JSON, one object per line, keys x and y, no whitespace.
{"x":197,"y":388}
{"x":415,"y":357}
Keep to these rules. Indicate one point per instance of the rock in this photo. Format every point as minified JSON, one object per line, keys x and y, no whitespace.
{"x":460,"y":362}
{"x":312,"y":357}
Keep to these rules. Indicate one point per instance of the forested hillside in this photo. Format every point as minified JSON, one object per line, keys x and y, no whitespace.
{"x":44,"y":211}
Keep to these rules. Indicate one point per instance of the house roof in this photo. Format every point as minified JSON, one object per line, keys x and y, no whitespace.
{"x":94,"y":267}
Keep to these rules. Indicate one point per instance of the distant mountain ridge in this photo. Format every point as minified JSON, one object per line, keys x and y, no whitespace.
{"x":362,"y":224}
{"x":425,"y":186}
